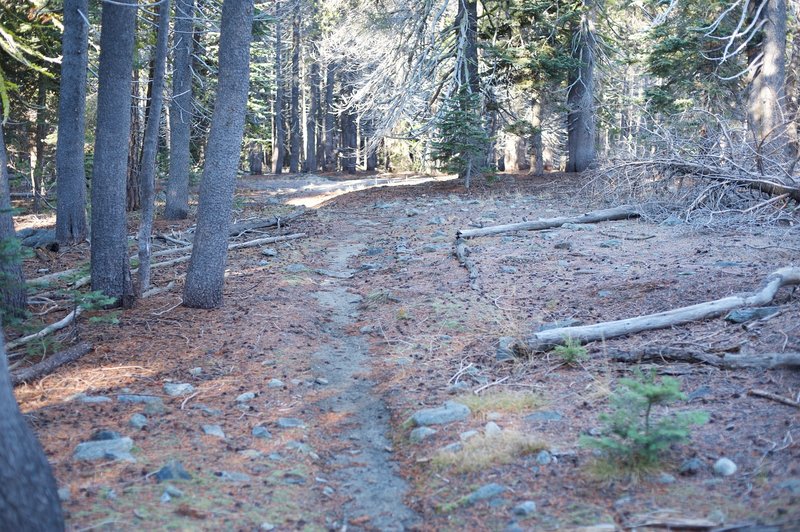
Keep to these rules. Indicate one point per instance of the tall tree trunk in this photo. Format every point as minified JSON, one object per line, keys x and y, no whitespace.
{"x":294,"y":156}
{"x":279,"y":149}
{"x":150,"y":147}
{"x":767,"y":78}
{"x":329,"y":160}
{"x":13,"y":295}
{"x":109,"y":261}
{"x":180,"y":113}
{"x":467,"y":71}
{"x":370,"y":149}
{"x":313,"y":113}
{"x":206,"y":276}
{"x":133,"y":193}
{"x":255,"y":158}
{"x":41,"y":132}
{"x":28,"y":493}
{"x":347,"y":118}
{"x":537,"y":166}
{"x":793,"y":95}
{"x":70,"y":169}
{"x":580,"y":95}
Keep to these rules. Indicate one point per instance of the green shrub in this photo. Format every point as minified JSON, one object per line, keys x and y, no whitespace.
{"x":571,"y":352}
{"x":634,"y":439}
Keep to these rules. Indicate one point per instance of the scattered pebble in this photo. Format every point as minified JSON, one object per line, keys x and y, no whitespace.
{"x":196,"y":372}
{"x":289,"y":423}
{"x":725,"y":467}
{"x":544,"y":458}
{"x":465,"y":436}
{"x":451,"y":411}
{"x":492,"y":429}
{"x":269,"y":252}
{"x":487,"y":491}
{"x":524,"y":509}
{"x":692,"y":466}
{"x":173,"y":470}
{"x":275,"y":383}
{"x":245,"y":397}
{"x":421,"y":433}
{"x":138,"y":421}
{"x":116,"y":449}
{"x":214,"y":430}
{"x":174,"y":389}
{"x":261,"y":432}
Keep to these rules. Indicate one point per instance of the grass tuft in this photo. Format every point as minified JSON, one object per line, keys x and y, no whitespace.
{"x":483,"y":451}
{"x":501,"y":401}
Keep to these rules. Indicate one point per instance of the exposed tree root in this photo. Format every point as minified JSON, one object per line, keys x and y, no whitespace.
{"x":544,"y":340}
{"x":725,"y":360}
{"x":51,"y":363}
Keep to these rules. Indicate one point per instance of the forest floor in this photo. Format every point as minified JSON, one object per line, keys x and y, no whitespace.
{"x":303,"y":383}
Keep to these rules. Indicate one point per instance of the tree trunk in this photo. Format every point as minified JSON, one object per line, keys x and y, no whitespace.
{"x":255,"y":158}
{"x":279,"y":149}
{"x":580,"y":96}
{"x":206,"y":275}
{"x":180,"y":113}
{"x":329,"y":161}
{"x":41,"y":132}
{"x":537,"y":148}
{"x":767,"y":78}
{"x":349,"y":140}
{"x":28,"y":493}
{"x":13,"y":295}
{"x":133,"y":194}
{"x":109,"y":260}
{"x":370,"y":149}
{"x":294,"y":156}
{"x":311,"y":124}
{"x":467,"y":71}
{"x":150,"y":147}
{"x":70,"y":169}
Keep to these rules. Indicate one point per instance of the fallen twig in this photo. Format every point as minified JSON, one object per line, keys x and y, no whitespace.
{"x":53,"y":327}
{"x":51,"y":363}
{"x":775,"y":397}
{"x":726,"y":360}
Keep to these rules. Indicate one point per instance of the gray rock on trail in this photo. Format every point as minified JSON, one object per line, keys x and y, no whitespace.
{"x":492,"y":429}
{"x":524,"y":509}
{"x":173,"y":470}
{"x":421,"y":433}
{"x":743,"y":315}
{"x":116,"y":449}
{"x":261,"y":432}
{"x":692,"y":466}
{"x":92,"y":399}
{"x":214,"y":430}
{"x":233,"y":476}
{"x":138,"y":421}
{"x":64,"y":494}
{"x":543,"y":415}
{"x":275,"y":383}
{"x":450,"y":412}
{"x":544,"y":458}
{"x":289,"y":423}
{"x":487,"y":491}
{"x":505,"y":349}
{"x":725,"y":467}
{"x":296,"y":268}
{"x":140,"y":399}
{"x":246,"y":397}
{"x":174,"y":389}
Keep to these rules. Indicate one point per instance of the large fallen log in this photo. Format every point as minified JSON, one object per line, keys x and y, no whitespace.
{"x":544,"y":340}
{"x":623,"y":212}
{"x":49,"y":364}
{"x":725,"y":360}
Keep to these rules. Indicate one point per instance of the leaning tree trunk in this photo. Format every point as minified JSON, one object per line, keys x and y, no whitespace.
{"x":13,"y":296}
{"x":580,"y":96}
{"x":329,"y":162}
{"x":28,"y":492}
{"x":294,"y":156}
{"x":180,"y":113}
{"x":147,"y":171}
{"x":109,"y":261}
{"x":206,"y":275}
{"x":70,"y":170}
{"x":279,"y":149}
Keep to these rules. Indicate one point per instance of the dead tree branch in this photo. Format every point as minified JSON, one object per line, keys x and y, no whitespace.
{"x":48,"y":365}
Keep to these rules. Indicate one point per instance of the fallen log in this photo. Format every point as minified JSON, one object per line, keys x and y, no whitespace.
{"x":623,"y":212}
{"x":240,"y":228}
{"x":775,"y":397}
{"x":462,"y":252}
{"x":544,"y":340}
{"x":53,"y":327}
{"x":49,"y":364}
{"x":724,"y":361}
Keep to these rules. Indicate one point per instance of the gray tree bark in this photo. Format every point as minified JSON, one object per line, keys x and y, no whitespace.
{"x":180,"y":113}
{"x":150,"y":148}
{"x":347,"y":118}
{"x":28,"y":494}
{"x":296,"y":140}
{"x":70,"y":170}
{"x":109,"y":257}
{"x":13,"y":294}
{"x":537,"y":147}
{"x":329,"y":160}
{"x":206,"y":275}
{"x":314,"y":80}
{"x":41,"y":132}
{"x":279,"y":149}
{"x":580,"y":96}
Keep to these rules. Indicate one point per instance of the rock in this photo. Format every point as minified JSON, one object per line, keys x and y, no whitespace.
{"x":451,"y":411}
{"x":64,"y":494}
{"x":743,"y":315}
{"x":605,"y":293}
{"x":261,"y":432}
{"x":275,"y":383}
{"x":116,"y":449}
{"x":494,"y":416}
{"x":373,"y":252}
{"x":543,"y":415}
{"x":452,"y":447}
{"x":430,"y":248}
{"x":457,"y":387}
{"x":577,"y":227}
{"x":791,"y":485}
{"x":524,"y":509}
{"x":487,"y":491}
{"x":321,"y":381}
{"x":336,"y":275}
{"x":104,"y":435}
{"x":692,"y":466}
{"x":505,"y":349}
{"x":196,"y":372}
{"x":252,"y":454}
{"x":177,"y":389}
{"x":508,"y":269}
{"x":138,"y":421}
{"x":266,"y":526}
{"x":436,"y":220}
{"x":40,"y":238}
{"x":140,"y":399}
{"x":413,"y":212}
{"x":612,"y":243}
{"x":665,"y":478}
{"x":725,"y":467}
{"x":172,"y":491}
{"x":92,"y":399}
{"x":672,"y":221}
{"x":211,"y":412}
{"x":233,"y":476}
{"x":173,"y":470}
{"x":439,"y":234}
{"x":466,"y":436}
{"x":564,"y":245}
{"x":420,"y":433}
{"x":328,"y":491}
{"x":269,"y":252}
{"x":492,"y":429}
{"x":544,"y":458}
{"x":296,"y":268}
{"x":289,"y":423}
{"x":702,"y":391}
{"x":246,"y":397}
{"x":214,"y":430}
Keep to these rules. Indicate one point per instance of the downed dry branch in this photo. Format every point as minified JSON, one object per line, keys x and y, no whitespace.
{"x":463,"y":252}
{"x":45,"y":279}
{"x":544,"y":340}
{"x":725,"y":361}
{"x":623,"y":212}
{"x":51,"y":363}
{"x":53,"y":327}
{"x":775,"y":397}
{"x":276,"y":221}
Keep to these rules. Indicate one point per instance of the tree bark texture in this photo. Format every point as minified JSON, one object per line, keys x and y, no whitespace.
{"x":294,"y":112}
{"x":580,"y":96}
{"x":329,"y":159}
{"x":28,"y":494}
{"x":279,"y":149}
{"x":12,"y":282}
{"x":206,"y":275}
{"x":348,"y":120}
{"x":537,"y":147}
{"x":180,"y":113}
{"x":147,"y":171}
{"x":70,"y":170}
{"x":313,"y":113}
{"x":109,"y":259}
{"x":41,"y":132}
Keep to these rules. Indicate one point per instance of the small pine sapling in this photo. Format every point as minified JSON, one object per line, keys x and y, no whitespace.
{"x":571,"y":352}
